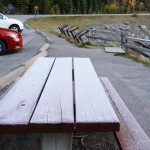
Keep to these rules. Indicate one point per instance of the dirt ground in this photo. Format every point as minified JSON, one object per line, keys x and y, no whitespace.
{"x":95,"y":141}
{"x":88,"y":141}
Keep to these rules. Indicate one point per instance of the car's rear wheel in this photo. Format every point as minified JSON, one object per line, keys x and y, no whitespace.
{"x":15,"y":28}
{"x":2,"y":47}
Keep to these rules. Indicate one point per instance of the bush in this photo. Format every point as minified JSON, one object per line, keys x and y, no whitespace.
{"x":112,"y":8}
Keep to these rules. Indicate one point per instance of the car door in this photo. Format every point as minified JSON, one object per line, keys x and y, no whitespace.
{"x":3,"y":21}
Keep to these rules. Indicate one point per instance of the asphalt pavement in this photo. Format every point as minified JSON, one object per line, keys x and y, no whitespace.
{"x":32,"y":42}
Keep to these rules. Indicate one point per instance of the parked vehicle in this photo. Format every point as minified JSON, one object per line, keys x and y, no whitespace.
{"x":10,"y":40}
{"x":9,"y":23}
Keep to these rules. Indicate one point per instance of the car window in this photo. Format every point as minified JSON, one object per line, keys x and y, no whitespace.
{"x":1,"y":17}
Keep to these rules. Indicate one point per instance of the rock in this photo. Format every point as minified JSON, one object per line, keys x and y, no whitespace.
{"x":137,"y":29}
{"x":143,"y":26}
{"x":124,"y":28}
{"x":133,"y":35}
{"x":117,"y":30}
{"x":107,"y":27}
{"x":146,"y":37}
{"x":93,"y":33}
{"x":126,"y":23}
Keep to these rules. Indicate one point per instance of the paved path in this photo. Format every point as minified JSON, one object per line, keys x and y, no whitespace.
{"x":131,"y":79}
{"x":32,"y":44}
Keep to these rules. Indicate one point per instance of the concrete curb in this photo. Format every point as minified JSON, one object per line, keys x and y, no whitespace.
{"x":12,"y":76}
{"x":48,"y":40}
{"x":26,"y":26}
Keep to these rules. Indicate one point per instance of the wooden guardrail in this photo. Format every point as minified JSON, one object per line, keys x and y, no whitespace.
{"x":61,"y":29}
{"x":73,"y":32}
{"x":126,"y":41}
{"x":138,"y":45}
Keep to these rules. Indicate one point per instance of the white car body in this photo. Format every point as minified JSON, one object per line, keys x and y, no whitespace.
{"x":9,"y":23}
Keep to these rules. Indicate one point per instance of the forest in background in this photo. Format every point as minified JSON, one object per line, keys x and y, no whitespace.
{"x":74,"y":6}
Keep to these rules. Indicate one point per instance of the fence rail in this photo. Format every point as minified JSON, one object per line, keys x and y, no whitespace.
{"x":104,"y":39}
{"x":107,"y":32}
{"x":124,"y":40}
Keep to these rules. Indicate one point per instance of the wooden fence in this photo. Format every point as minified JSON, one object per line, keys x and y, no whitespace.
{"x":136,"y":44}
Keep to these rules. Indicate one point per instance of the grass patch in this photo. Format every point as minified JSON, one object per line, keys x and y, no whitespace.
{"x":136,"y":57}
{"x":48,"y":24}
{"x":51,"y":24}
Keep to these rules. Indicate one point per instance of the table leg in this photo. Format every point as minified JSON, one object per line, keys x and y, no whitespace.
{"x":56,"y":141}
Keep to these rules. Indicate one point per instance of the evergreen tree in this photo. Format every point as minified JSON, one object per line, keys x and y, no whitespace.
{"x":40,"y":4}
{"x":5,"y":2}
{"x":75,"y":6}
{"x":22,"y":6}
{"x":84,"y":7}
{"x":78,"y":7}
{"x":56,"y":9}
{"x":71,"y":6}
{"x":94,"y":6}
{"x":1,"y":6}
{"x":46,"y":7}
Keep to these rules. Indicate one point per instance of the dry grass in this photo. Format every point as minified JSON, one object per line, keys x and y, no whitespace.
{"x":49,"y":24}
{"x":136,"y":57}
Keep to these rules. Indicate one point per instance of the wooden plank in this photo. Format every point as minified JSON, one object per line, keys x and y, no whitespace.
{"x":7,"y":89}
{"x":105,"y":31}
{"x":131,"y":136}
{"x":142,"y":44}
{"x":93,"y":109}
{"x":17,"y":106}
{"x":56,"y":141}
{"x":103,"y":38}
{"x":54,"y":112}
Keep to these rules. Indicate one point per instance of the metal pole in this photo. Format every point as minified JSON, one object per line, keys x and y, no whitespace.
{"x":35,"y":14}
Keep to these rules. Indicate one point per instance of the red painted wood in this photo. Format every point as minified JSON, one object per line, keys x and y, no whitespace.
{"x":93,"y":108}
{"x":131,"y":136}
{"x":16,"y":107}
{"x":54,"y":112}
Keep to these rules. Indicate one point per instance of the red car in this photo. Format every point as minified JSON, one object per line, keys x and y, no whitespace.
{"x":10,"y":40}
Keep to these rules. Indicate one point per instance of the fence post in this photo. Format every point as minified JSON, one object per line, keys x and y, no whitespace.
{"x":89,"y":35}
{"x":126,"y":46}
{"x":121,"y":39}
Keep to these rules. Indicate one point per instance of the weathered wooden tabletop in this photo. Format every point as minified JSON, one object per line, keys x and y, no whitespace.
{"x":57,"y":95}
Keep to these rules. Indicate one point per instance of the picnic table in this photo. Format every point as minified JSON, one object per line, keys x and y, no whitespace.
{"x":57,"y":97}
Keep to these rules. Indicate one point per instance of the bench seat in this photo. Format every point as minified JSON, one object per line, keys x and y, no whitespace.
{"x":131,"y":136}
